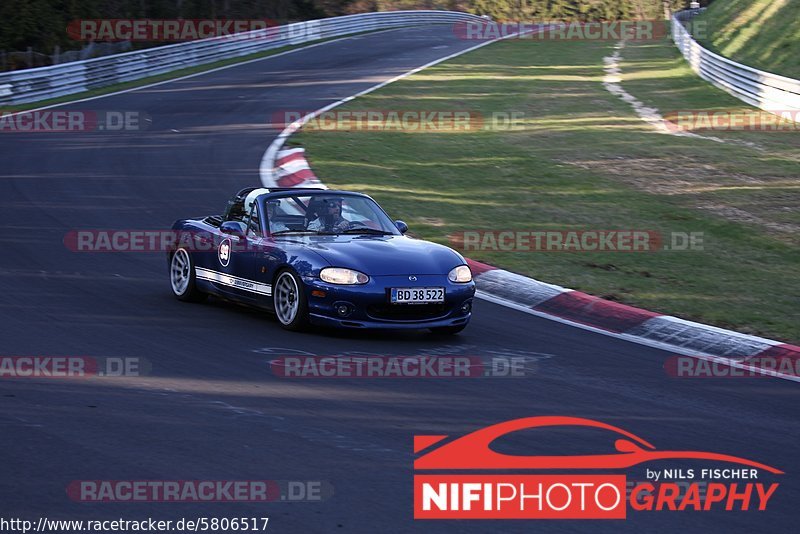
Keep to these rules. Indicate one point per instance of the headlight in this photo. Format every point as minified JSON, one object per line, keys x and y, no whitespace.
{"x":460,"y":274}
{"x":348,"y":277}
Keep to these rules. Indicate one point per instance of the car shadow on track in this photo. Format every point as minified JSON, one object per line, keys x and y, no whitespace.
{"x":396,"y":336}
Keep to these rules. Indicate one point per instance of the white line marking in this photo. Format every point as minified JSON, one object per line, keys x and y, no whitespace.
{"x":718,"y":330}
{"x":267,"y":168}
{"x":267,"y":172}
{"x":217,"y":69}
{"x":612,"y":81}
{"x":633,"y":339}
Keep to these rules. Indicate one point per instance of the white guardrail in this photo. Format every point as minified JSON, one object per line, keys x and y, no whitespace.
{"x":770,"y":92}
{"x":32,"y":85}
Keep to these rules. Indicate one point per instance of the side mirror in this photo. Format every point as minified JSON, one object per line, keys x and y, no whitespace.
{"x":403,"y":227}
{"x":234,"y":228}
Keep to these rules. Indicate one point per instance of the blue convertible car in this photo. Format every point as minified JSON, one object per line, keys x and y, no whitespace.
{"x":322,"y":257}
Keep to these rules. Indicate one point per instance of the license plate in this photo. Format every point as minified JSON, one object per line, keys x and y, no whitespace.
{"x":417,"y":295}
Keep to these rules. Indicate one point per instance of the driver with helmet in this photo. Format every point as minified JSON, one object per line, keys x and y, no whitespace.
{"x":272,"y":209}
{"x":271,"y":205}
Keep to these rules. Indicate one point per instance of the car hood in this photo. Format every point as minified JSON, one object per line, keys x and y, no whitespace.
{"x":384,"y":255}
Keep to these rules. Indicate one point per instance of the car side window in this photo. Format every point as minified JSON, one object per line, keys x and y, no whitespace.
{"x":253,"y":222}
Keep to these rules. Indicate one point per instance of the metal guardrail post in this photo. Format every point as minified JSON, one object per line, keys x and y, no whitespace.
{"x":771,"y":92}
{"x":32,"y":85}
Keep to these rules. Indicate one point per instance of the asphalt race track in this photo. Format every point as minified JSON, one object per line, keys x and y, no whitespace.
{"x":212,"y":409}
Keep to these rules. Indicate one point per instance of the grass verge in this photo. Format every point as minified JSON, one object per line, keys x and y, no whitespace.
{"x":581,"y":159}
{"x":761,"y":33}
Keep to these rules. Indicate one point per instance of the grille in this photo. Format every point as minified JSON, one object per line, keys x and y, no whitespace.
{"x":406,"y":312}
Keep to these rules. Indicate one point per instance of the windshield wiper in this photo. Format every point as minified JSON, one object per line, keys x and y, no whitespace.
{"x":366,"y":230}
{"x":281,"y":232}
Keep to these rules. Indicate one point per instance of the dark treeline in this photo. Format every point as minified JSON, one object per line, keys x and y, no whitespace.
{"x":575,"y":10}
{"x":41,"y":24}
{"x":582,"y":10}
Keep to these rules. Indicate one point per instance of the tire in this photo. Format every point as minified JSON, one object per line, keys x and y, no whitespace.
{"x":290,"y":302}
{"x":448,"y":330}
{"x":182,"y":277}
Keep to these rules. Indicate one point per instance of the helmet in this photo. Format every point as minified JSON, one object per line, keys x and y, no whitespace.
{"x":252,"y":196}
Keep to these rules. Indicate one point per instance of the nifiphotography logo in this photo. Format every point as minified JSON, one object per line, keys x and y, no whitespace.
{"x":591,"y":490}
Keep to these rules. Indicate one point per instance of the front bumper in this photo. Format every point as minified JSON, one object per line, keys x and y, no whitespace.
{"x":369,"y":307}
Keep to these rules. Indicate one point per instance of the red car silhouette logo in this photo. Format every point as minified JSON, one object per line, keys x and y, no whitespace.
{"x":473,"y":451}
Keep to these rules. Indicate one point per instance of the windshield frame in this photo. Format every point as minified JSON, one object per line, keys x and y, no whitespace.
{"x":261,"y":200}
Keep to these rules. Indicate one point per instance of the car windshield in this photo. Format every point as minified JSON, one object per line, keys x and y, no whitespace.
{"x":327,"y":215}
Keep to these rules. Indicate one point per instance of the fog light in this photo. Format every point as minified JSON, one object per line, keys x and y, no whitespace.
{"x":466,"y":307}
{"x":343,"y":310}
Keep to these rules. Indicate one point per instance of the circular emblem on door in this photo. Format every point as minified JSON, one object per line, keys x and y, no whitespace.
{"x":412,"y":278}
{"x":224,"y":252}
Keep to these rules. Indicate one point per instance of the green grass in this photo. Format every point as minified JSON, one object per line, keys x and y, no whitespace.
{"x":581,"y":159}
{"x":761,"y":33}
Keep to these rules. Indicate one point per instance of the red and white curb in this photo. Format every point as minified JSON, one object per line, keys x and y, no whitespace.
{"x":688,"y":338}
{"x":289,"y":168}
{"x":269,"y":161}
{"x":746,"y":352}
{"x":292,"y":170}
